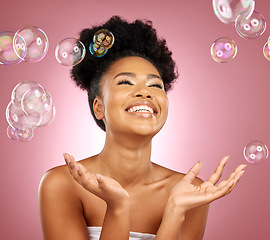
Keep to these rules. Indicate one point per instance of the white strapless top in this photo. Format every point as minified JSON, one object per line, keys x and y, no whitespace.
{"x":94,"y":234}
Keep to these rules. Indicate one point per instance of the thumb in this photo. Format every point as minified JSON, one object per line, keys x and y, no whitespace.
{"x":193,"y":172}
{"x":100,"y":180}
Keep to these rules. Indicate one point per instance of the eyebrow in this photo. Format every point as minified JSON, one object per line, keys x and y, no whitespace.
{"x":130,"y":74}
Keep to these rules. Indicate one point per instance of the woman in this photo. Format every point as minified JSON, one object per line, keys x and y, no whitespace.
{"x":119,"y":193}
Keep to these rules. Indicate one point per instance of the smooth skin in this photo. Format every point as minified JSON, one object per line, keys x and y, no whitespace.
{"x":120,"y":188}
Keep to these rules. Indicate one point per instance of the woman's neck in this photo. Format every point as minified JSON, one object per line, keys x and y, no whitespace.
{"x":126,"y":160}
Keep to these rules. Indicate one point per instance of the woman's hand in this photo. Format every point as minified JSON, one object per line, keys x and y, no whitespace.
{"x":103,"y":187}
{"x":185,"y":196}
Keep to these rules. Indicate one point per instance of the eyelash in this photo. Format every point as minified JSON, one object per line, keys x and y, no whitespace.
{"x":124,"y":82}
{"x":130,"y":83}
{"x":156,"y":85}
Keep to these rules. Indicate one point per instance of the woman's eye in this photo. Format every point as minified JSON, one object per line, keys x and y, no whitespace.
{"x":156,"y":85}
{"x":124,"y":82}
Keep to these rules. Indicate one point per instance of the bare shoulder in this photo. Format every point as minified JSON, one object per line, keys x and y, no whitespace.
{"x":55,"y":178}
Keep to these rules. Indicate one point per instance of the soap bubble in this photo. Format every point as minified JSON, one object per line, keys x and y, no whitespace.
{"x":20,"y":89}
{"x":48,"y":117}
{"x":104,"y":37}
{"x":21,"y":135}
{"x":7,"y":54}
{"x":266,"y":51}
{"x":31,"y":106}
{"x":17,"y":118}
{"x":255,"y":152}
{"x":12,"y":133}
{"x":228,"y":10}
{"x":25,"y":135}
{"x":268,"y":42}
{"x":97,"y":50}
{"x":36,"y":43}
{"x":36,"y":100}
{"x":70,"y":52}
{"x":250,"y":26}
{"x":223,"y":50}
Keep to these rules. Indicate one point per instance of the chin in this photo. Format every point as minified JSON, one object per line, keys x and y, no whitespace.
{"x":145,"y":131}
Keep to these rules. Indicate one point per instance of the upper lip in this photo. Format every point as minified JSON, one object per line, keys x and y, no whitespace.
{"x":145,"y":103}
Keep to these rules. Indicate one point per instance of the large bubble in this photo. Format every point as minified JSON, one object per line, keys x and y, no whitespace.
{"x":20,"y":89}
{"x":70,"y":52}
{"x":8,"y":55}
{"x":36,"y":100}
{"x":223,"y":50}
{"x":250,"y":26}
{"x":18,"y":119}
{"x":228,"y":10}
{"x":37,"y":43}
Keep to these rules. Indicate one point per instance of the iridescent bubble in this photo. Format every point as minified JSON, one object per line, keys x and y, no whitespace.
{"x":268,"y":42}
{"x":12,"y":133}
{"x":104,"y":37}
{"x":36,"y":101}
{"x":25,"y":135}
{"x":97,"y":50}
{"x":223,"y":50}
{"x":255,"y":152}
{"x":228,"y":10}
{"x":20,"y":89}
{"x":7,"y":54}
{"x":37,"y":43}
{"x":48,"y":117}
{"x":266,"y":51}
{"x":70,"y":52}
{"x":250,"y":27}
{"x":18,"y":119}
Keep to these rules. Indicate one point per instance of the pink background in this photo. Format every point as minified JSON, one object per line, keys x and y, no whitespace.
{"x":215,"y":109}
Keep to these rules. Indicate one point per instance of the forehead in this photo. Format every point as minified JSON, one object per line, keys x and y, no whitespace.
{"x":137,"y":65}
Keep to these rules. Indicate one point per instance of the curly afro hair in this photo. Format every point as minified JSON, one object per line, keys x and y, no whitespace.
{"x":138,"y":38}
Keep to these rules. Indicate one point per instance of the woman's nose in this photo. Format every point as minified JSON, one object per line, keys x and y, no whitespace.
{"x":143,"y":93}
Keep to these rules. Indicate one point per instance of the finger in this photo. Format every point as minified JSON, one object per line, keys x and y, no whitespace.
{"x":88,"y":180}
{"x":236,"y":180}
{"x":193,"y":172}
{"x":100,"y":180}
{"x":238,"y":169}
{"x":214,"y":178}
{"x":73,"y":168}
{"x":223,"y":189}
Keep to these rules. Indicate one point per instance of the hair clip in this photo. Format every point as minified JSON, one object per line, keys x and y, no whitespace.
{"x":102,"y":41}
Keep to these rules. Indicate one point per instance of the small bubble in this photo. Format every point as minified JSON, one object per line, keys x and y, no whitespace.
{"x":223,"y":50}
{"x":255,"y":152}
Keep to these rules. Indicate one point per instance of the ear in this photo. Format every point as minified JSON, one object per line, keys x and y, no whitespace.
{"x":98,"y":108}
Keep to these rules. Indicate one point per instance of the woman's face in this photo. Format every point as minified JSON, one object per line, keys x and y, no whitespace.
{"x":133,"y":98}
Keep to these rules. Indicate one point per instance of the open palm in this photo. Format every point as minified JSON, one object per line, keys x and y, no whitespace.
{"x":186,"y":195}
{"x":103,"y":187}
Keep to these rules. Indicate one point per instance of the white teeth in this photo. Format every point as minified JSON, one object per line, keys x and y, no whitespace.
{"x":142,"y":108}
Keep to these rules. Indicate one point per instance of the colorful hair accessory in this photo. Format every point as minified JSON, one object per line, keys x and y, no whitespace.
{"x":102,"y":41}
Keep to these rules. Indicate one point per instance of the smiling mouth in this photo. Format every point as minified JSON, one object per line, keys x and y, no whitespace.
{"x":142,"y":111}
{"x":141,"y":108}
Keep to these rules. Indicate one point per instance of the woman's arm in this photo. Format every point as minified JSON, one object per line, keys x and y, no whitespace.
{"x":189,"y":201}
{"x":116,"y":221}
{"x":60,"y":211}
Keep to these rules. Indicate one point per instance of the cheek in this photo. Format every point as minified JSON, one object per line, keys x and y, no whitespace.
{"x":164,"y":102}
